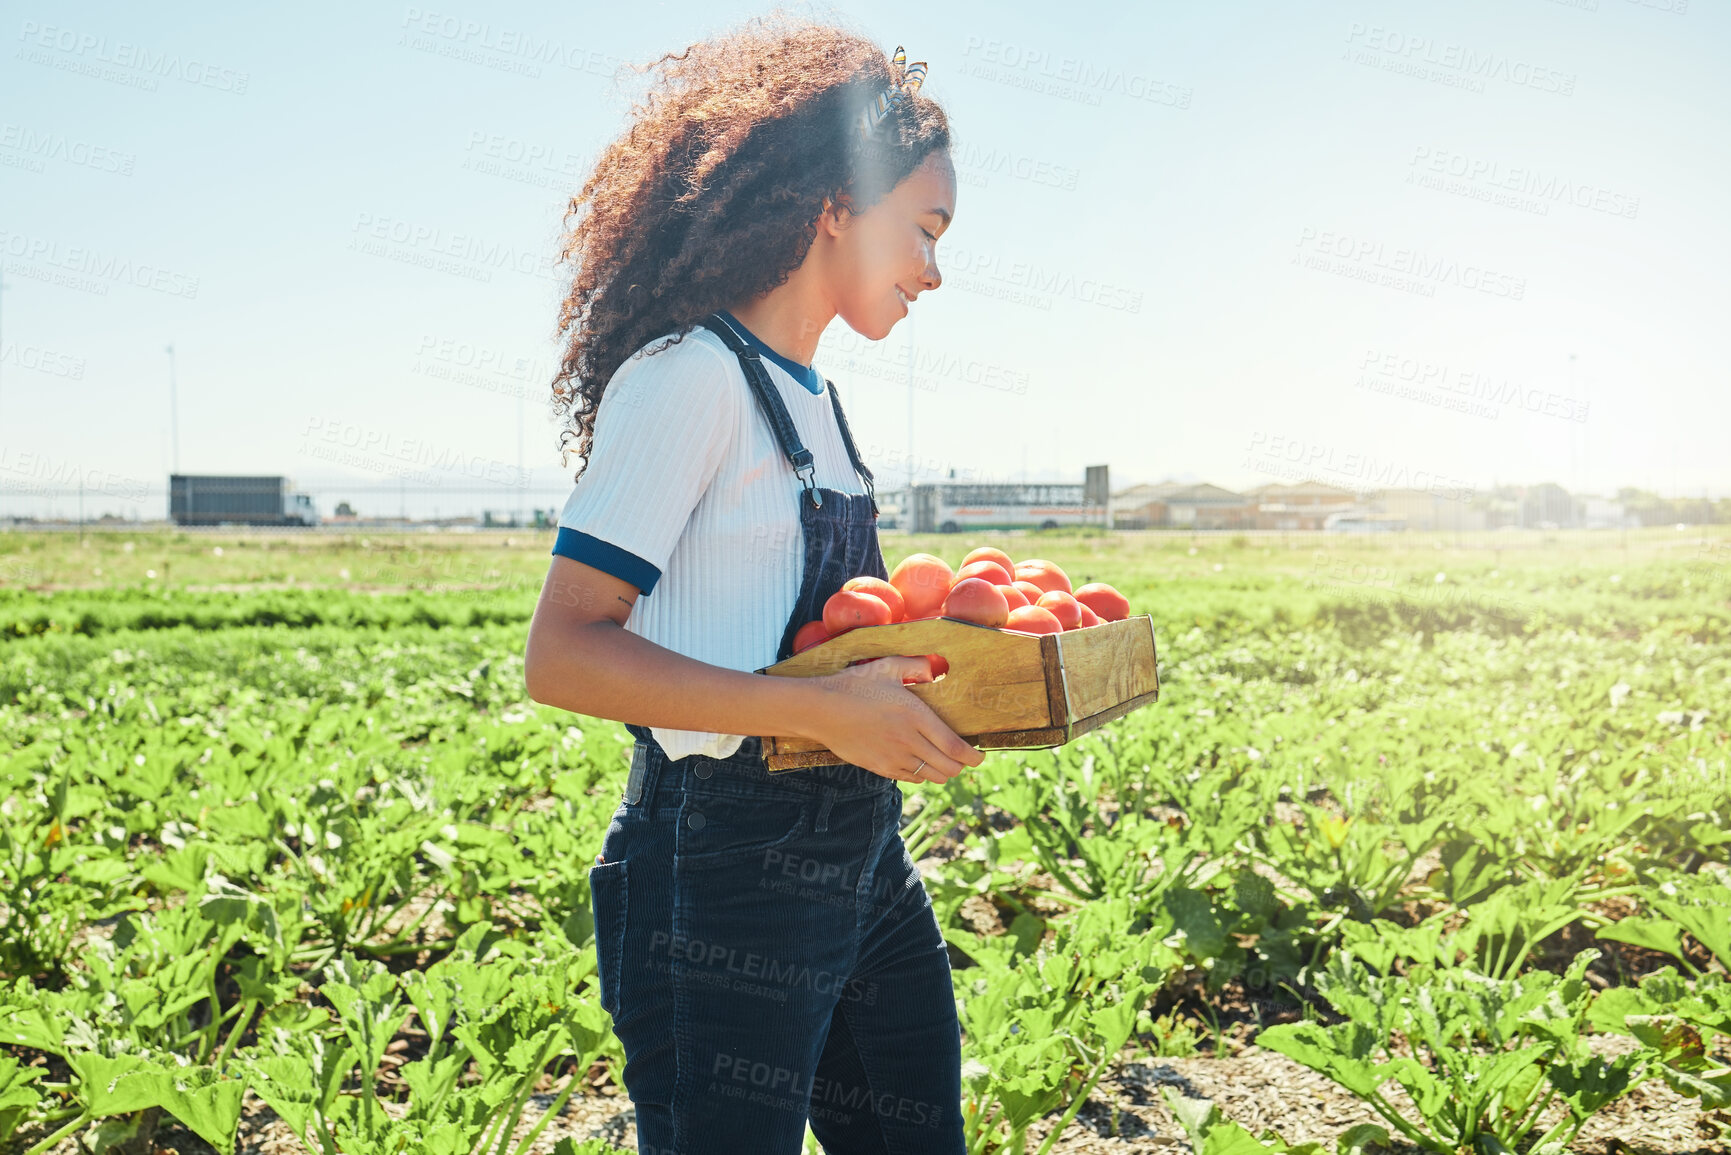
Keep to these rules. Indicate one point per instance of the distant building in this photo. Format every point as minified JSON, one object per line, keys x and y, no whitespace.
{"x":1606,"y":513}
{"x":1549,"y":506}
{"x":1422,"y":509}
{"x":1143,"y":506}
{"x":1208,"y":506}
{"x":1303,"y":505}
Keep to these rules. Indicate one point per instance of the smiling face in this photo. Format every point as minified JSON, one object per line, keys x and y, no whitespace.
{"x":886,"y":256}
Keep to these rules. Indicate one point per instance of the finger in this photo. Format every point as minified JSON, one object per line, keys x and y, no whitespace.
{"x":899,"y":774}
{"x":945,"y":741}
{"x":911,"y":668}
{"x":937,"y":761}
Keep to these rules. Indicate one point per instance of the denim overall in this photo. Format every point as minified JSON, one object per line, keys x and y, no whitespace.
{"x":766,"y":948}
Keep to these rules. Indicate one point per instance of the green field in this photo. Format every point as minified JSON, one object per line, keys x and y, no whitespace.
{"x":1449,"y":824}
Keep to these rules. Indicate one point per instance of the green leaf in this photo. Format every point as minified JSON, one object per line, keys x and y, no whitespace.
{"x":1360,"y":1139}
{"x":17,"y":1097}
{"x":1340,"y":1052}
{"x":1657,"y":934}
{"x":1193,"y":915}
{"x":286,"y":1084}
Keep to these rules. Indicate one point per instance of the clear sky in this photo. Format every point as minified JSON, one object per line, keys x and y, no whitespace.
{"x":1380,"y":243}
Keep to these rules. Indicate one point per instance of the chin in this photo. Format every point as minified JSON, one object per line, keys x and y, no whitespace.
{"x":873,"y":329}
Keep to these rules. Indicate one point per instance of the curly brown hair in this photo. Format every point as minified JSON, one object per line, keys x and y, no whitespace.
{"x":713,"y":194}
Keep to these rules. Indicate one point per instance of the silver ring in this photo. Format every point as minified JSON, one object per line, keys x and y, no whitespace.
{"x":920,"y":767}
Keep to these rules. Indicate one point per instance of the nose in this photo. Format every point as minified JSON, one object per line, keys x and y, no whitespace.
{"x":930,"y":277}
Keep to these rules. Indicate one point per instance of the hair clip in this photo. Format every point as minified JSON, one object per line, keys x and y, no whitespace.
{"x":908,"y":78}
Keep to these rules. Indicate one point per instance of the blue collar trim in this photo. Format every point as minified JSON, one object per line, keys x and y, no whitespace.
{"x":804,"y":374}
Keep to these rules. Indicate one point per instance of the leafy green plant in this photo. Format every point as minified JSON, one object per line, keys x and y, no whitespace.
{"x":502,"y":1005}
{"x":1697,"y":903}
{"x":1212,"y":1134}
{"x":1041,"y":1026}
{"x":1480,"y":1058}
{"x":1676,"y":1019}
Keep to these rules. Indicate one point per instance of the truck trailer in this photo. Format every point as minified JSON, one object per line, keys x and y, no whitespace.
{"x":205,"y":499}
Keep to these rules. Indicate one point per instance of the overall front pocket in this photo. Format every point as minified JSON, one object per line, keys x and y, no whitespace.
{"x":608,"y":893}
{"x":726,"y":827}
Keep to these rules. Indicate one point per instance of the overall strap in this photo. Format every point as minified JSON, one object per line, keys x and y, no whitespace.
{"x":847,"y":439}
{"x":769,"y":401}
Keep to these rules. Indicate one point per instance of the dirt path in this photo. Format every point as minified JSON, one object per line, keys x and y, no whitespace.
{"x":1127,"y":1114}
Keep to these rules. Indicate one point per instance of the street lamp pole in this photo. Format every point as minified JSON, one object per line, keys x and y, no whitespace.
{"x":173,"y":411}
{"x":908,"y":512}
{"x":3,"y":287}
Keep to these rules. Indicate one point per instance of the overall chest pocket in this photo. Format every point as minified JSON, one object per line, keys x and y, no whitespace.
{"x":717,"y":826}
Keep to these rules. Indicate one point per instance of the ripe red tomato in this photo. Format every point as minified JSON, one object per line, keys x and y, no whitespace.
{"x":985,"y":568}
{"x":987,"y":553}
{"x":1089,"y":617}
{"x":1029,"y":590}
{"x":1043,"y":573}
{"x":1033,"y":620}
{"x":940,"y":665}
{"x":923,"y":581}
{"x":1065,"y":608}
{"x":1111,"y":605}
{"x":809,"y":635}
{"x":977,"y":600}
{"x":847,"y":609}
{"x":883,"y":591}
{"x":1014,"y":595}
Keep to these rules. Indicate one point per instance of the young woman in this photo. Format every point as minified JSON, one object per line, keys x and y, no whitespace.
{"x":766,"y":948}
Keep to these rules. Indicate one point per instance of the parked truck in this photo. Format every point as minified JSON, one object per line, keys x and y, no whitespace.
{"x":205,"y":499}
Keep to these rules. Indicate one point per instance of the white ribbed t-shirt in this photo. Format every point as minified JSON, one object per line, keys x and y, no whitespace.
{"x":684,"y":473}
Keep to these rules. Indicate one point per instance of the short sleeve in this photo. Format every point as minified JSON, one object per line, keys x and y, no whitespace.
{"x":661,"y":434}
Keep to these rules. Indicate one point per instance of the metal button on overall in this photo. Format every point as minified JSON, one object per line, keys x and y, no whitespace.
{"x":695,"y":820}
{"x":703,"y":769}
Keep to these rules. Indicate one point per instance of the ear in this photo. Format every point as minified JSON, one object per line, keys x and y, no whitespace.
{"x":833,"y":216}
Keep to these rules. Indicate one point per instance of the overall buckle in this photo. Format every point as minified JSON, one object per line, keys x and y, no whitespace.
{"x":805,"y":475}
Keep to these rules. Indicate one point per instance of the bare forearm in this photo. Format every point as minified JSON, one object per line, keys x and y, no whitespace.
{"x":605,"y":671}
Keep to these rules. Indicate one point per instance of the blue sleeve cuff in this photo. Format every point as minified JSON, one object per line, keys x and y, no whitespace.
{"x":606,"y":557}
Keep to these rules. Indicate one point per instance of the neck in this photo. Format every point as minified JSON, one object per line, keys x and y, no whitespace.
{"x":789,"y":318}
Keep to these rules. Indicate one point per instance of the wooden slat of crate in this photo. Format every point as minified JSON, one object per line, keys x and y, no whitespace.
{"x":1103,"y":666}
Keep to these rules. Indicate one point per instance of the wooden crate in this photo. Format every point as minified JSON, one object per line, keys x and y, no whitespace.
{"x":1003,"y":689}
